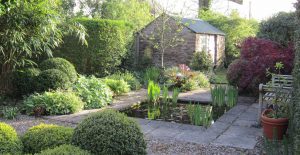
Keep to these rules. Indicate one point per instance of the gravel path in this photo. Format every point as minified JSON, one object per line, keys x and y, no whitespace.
{"x":24,"y":122}
{"x":178,"y":148}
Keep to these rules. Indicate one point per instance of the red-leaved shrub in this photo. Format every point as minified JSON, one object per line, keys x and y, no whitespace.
{"x":257,"y":55}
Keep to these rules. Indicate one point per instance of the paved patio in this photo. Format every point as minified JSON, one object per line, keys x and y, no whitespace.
{"x":233,"y":129}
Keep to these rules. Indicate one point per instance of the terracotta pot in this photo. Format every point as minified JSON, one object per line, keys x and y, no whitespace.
{"x":272,"y":125}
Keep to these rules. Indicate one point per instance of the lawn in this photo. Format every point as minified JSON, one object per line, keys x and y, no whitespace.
{"x":221,"y":76}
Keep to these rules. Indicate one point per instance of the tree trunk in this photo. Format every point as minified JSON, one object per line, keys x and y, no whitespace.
{"x":162,"y":58}
{"x":204,"y":4}
{"x":5,"y":79}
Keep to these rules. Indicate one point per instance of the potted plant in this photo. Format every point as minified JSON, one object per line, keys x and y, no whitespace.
{"x":275,"y":119}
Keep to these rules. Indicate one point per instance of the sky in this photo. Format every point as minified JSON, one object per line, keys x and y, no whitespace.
{"x":260,"y":9}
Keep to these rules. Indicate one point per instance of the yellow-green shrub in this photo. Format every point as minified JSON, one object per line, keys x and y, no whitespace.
{"x":45,"y":136}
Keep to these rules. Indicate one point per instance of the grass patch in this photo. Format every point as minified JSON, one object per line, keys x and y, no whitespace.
{"x":220,"y":76}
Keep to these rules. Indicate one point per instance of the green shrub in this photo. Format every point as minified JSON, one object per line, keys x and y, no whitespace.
{"x":189,"y":85}
{"x":117,"y":86}
{"x":10,"y":112}
{"x":201,"y":61}
{"x":53,"y":103}
{"x":279,"y":28}
{"x":24,"y":81}
{"x":9,"y":140}
{"x":107,"y":41}
{"x":46,"y":136}
{"x":93,"y":91}
{"x":64,"y":149}
{"x":152,"y":74}
{"x":235,"y":27}
{"x":62,"y":65}
{"x":127,"y":77}
{"x":202,"y":80}
{"x":52,"y":79}
{"x":110,"y":132}
{"x":294,"y":125}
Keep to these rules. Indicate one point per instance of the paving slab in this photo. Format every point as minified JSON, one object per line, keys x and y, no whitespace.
{"x":237,"y":110}
{"x":201,"y":95}
{"x":238,"y":136}
{"x":146,"y":128}
{"x":218,"y":127}
{"x":249,"y":116}
{"x":142,"y":121}
{"x":245,"y":123}
{"x":164,"y":133}
{"x":190,"y":128}
{"x":198,"y":137}
{"x":227,"y":118}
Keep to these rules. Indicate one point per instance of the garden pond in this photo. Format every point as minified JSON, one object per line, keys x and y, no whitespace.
{"x":186,"y":113}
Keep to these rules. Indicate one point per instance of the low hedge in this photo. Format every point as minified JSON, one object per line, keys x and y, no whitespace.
{"x":46,"y":136}
{"x":64,"y":150}
{"x":9,"y":140}
{"x":110,"y":132}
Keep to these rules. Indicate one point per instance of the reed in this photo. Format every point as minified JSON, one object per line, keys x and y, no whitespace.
{"x":232,"y":96}
{"x":199,"y":114}
{"x":218,"y":95}
{"x":165,"y":95}
{"x":175,"y":96}
{"x":153,"y":92}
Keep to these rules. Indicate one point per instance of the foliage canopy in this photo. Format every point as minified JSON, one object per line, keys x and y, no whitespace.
{"x":29,"y":29}
{"x":235,"y":27}
{"x":279,"y":28}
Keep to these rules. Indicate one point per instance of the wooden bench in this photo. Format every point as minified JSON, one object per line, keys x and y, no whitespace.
{"x":280,"y":84}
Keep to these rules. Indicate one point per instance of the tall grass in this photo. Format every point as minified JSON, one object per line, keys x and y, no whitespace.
{"x":151,"y":74}
{"x":153,"y":92}
{"x":199,"y":114}
{"x":175,"y":96}
{"x":165,"y":94}
{"x":218,"y":95}
{"x":232,"y":96}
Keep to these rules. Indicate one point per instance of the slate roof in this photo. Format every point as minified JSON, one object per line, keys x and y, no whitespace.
{"x":201,"y":26}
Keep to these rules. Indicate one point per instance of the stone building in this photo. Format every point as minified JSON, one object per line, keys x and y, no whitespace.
{"x":194,"y":35}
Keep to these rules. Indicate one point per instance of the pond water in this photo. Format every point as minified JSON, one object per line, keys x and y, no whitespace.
{"x":186,"y":113}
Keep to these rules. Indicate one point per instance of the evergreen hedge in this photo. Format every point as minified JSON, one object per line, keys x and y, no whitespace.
{"x":110,"y":132}
{"x":294,"y":125}
{"x":46,"y":136}
{"x":9,"y":140}
{"x":107,"y":46}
